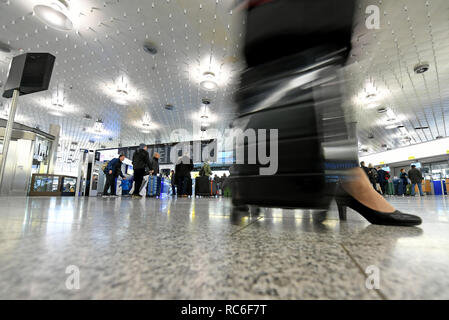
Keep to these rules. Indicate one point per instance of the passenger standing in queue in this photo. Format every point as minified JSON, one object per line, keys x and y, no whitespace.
{"x":155,"y":166}
{"x":373,"y":175}
{"x":364,"y":168}
{"x":404,"y":181}
{"x":183,"y":168}
{"x":416,"y":178}
{"x":381,"y":174}
{"x":112,"y":171}
{"x":141,"y":161}
{"x":173,"y":182}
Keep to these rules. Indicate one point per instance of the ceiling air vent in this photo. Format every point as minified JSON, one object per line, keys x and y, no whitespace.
{"x":421,"y":67}
{"x":206,"y":101}
{"x":370,"y":136}
{"x":169,"y":107}
{"x":382,"y":110}
{"x":87,"y":116}
{"x":421,"y":128}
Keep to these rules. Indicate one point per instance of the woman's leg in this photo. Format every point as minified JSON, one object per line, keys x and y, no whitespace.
{"x":359,"y":187}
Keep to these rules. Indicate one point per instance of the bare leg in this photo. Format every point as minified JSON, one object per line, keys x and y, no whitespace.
{"x":358,"y":186}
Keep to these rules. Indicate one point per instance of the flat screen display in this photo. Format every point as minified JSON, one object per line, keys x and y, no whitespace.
{"x":417,"y":164}
{"x":107,"y":155}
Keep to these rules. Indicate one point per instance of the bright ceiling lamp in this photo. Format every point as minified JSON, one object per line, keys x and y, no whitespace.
{"x":55,"y":15}
{"x":209,"y":82}
{"x":146,"y":120}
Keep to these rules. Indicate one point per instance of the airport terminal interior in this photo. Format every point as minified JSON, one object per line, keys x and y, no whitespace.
{"x":161,"y":80}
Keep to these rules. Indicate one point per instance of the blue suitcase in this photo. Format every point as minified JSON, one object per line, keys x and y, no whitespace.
{"x":154,"y":186}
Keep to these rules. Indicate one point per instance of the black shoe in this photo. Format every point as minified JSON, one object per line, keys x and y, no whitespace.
{"x":395,"y":218}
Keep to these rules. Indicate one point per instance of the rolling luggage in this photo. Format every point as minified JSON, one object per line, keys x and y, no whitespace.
{"x":205,"y":187}
{"x":408,"y":189}
{"x":314,"y":145}
{"x":126,"y":186}
{"x":154,"y":186}
{"x":202,"y":186}
{"x":293,"y":85}
{"x":390,"y":188}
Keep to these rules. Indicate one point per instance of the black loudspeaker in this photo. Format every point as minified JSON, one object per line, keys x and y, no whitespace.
{"x":29,"y":73}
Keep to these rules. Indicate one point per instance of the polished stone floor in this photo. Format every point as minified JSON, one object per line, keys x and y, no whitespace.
{"x":197,"y":249}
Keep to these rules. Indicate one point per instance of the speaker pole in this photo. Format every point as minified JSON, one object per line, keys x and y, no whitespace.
{"x":8,"y":132}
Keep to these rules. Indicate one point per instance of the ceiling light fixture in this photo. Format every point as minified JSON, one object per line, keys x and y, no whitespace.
{"x":55,"y":15}
{"x":209,"y":82}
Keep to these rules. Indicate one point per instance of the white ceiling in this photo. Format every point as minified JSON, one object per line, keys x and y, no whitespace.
{"x":194,"y":36}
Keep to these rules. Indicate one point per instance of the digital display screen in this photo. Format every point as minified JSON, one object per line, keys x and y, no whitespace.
{"x":386,"y":169}
{"x":417,"y":164}
{"x":129,"y":170}
{"x":107,"y":155}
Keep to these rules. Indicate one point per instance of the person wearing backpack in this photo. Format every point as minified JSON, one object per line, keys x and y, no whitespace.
{"x":141,"y":161}
{"x":416,"y":178}
{"x":373,"y":175}
{"x":112,"y":171}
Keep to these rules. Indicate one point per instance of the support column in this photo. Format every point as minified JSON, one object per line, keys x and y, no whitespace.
{"x":54,"y":131}
{"x":8,"y":132}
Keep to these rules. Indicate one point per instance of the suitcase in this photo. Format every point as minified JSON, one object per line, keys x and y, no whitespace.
{"x":227,"y":192}
{"x":126,"y":186}
{"x":202,"y":186}
{"x":314,"y":143}
{"x":390,"y":188}
{"x":408,"y":189}
{"x":401,"y":188}
{"x":154,"y":186}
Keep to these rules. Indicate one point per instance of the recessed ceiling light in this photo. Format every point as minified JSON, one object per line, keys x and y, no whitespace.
{"x":55,"y":15}
{"x":59,"y":105}
{"x":209,"y":82}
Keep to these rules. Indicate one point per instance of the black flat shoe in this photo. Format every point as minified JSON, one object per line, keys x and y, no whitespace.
{"x":395,"y":218}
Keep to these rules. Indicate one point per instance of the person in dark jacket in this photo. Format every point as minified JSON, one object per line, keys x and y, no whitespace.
{"x":183,"y":168}
{"x":364,"y":168}
{"x":381,"y":174}
{"x":141,"y":161}
{"x":403,"y":180}
{"x":112,"y":171}
{"x":173,"y":182}
{"x":373,"y":175}
{"x":155,"y":165}
{"x":416,"y":178}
